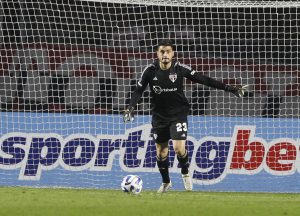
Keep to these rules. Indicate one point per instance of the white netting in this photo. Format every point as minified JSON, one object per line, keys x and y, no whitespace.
{"x":84,"y":58}
{"x":209,"y":3}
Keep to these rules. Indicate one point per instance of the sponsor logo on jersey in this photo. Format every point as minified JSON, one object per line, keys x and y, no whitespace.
{"x":159,"y":90}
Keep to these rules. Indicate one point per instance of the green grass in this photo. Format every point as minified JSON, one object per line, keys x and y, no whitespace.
{"x":40,"y":201}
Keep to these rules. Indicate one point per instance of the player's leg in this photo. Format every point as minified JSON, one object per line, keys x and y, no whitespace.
{"x":178,"y":131}
{"x":183,"y":159}
{"x":162,"y":158}
{"x":182,"y":155}
{"x":161,"y":137}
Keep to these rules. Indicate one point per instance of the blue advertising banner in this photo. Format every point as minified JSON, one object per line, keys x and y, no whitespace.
{"x":96,"y":151}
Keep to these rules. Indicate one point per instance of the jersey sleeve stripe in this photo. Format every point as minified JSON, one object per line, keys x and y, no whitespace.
{"x":150,"y":65}
{"x":185,"y":66}
{"x":141,"y":78}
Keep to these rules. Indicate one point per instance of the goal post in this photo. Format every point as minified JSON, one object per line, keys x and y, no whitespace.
{"x":68,"y":69}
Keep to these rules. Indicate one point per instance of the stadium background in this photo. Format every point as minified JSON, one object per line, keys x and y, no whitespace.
{"x":262,"y":43}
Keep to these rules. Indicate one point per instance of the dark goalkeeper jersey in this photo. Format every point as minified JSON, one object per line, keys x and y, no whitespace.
{"x":168,"y":100}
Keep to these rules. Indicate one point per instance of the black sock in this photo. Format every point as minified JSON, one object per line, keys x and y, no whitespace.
{"x":163,"y":167}
{"x":184,"y":162}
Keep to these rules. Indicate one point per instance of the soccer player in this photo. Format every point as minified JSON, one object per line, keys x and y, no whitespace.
{"x":170,"y":108}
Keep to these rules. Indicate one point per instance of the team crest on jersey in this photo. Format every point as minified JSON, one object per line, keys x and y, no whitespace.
{"x":173,"y":77}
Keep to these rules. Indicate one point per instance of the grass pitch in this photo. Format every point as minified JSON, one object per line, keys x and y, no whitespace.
{"x":68,"y":202}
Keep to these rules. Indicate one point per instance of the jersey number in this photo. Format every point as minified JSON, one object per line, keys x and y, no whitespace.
{"x":181,"y":127}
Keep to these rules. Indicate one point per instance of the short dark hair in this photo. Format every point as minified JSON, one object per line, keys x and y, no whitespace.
{"x":165,"y":42}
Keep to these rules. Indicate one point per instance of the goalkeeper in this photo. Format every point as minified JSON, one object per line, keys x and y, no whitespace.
{"x":170,"y":108}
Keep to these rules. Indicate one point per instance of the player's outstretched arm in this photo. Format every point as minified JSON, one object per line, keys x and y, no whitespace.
{"x":239,"y":91}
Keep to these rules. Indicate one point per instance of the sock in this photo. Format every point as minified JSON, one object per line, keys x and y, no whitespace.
{"x":163,"y":167}
{"x":184,"y":162}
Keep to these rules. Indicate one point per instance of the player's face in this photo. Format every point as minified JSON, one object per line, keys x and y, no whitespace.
{"x":165,"y":54}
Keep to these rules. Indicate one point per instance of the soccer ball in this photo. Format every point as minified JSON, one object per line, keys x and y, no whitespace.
{"x":132,"y":184}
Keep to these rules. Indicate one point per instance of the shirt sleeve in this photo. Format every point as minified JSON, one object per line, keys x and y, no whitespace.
{"x":194,"y":76}
{"x":140,"y":88}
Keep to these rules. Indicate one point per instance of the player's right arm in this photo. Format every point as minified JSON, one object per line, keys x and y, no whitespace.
{"x":142,"y":84}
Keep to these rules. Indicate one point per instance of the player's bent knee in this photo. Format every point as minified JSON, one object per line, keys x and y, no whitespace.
{"x":179,"y":147}
{"x":162,"y":149}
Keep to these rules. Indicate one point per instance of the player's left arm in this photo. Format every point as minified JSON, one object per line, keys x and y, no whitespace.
{"x":239,"y":91}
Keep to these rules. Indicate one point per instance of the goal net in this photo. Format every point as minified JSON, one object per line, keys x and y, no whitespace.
{"x":68,"y":69}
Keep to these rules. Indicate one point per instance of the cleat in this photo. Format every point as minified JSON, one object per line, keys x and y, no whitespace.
{"x":164,"y":187}
{"x":187,"y":182}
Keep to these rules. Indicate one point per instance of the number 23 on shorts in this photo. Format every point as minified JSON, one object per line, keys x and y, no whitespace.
{"x":181,"y":127}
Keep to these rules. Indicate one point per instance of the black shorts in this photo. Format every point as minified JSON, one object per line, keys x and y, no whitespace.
{"x":163,"y":131}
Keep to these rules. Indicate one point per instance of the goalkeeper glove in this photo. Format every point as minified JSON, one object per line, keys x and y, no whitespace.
{"x":239,"y":91}
{"x":128,"y":114}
